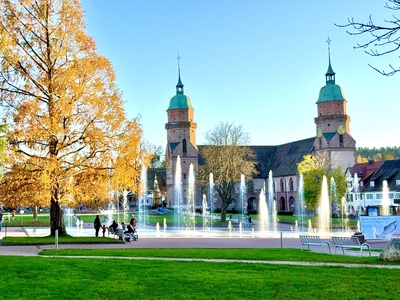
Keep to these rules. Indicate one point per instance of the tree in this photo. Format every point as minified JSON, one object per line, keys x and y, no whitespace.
{"x":314,"y":168}
{"x":69,"y":139}
{"x":227,"y":157}
{"x":384,"y":37}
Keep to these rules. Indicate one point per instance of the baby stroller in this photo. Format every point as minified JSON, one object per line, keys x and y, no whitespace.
{"x":130,"y":235}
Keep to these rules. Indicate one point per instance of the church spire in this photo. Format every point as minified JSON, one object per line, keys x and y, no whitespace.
{"x":330,"y":74}
{"x":179,"y":86}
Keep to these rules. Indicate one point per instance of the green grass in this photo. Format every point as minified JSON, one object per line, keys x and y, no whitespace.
{"x":268,"y":254}
{"x":96,"y":278}
{"x":43,"y":220}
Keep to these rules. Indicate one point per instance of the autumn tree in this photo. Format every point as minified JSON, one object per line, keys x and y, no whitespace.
{"x":69,"y":140}
{"x":383,"y":38}
{"x":226,"y":157}
{"x":314,"y":168}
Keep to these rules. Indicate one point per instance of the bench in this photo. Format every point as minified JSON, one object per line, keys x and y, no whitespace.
{"x":350,"y":242}
{"x":110,"y":231}
{"x":313,"y":240}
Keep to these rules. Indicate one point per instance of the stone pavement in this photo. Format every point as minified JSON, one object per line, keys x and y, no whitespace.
{"x":147,"y":240}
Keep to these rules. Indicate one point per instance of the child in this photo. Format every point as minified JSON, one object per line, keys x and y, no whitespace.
{"x":104,"y":230}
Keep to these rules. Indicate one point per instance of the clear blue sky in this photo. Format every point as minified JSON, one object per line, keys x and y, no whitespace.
{"x":256,"y":63}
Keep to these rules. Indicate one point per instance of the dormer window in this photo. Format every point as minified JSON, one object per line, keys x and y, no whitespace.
{"x":372,"y":184}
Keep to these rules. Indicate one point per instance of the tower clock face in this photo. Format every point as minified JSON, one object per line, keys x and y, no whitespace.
{"x":319,"y":132}
{"x":341,"y":129}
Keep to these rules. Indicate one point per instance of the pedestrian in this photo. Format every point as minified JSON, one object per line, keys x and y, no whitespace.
{"x":97,"y":225}
{"x":104,"y":230}
{"x":1,"y":220}
{"x":133,"y":221}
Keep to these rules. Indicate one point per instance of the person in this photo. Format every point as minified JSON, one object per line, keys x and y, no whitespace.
{"x":114,"y":225}
{"x":104,"y":230}
{"x":1,"y":220}
{"x":97,"y":225}
{"x":129,"y":229}
{"x":123,"y":226}
{"x":133,"y":221}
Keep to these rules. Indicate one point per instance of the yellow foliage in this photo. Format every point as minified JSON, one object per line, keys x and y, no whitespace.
{"x":69,"y":138}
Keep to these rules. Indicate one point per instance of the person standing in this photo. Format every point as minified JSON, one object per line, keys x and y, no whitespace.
{"x":133,"y":222}
{"x":1,"y":220}
{"x":97,"y":225}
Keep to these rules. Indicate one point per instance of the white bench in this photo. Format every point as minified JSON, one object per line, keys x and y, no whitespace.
{"x":313,"y":240}
{"x":350,"y":242}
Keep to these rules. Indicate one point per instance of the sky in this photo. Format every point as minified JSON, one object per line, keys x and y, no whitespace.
{"x":255,"y":63}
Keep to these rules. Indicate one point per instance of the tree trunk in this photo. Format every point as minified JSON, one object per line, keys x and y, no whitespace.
{"x":224,"y":208}
{"x":56,"y":219}
{"x":35,"y":213}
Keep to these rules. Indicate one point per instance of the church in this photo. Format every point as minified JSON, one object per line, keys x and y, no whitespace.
{"x":332,"y":139}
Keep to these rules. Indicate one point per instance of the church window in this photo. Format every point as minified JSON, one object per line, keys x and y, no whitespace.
{"x":341,"y":140}
{"x":184,"y":146}
{"x":282,"y":185}
{"x":291,"y":184}
{"x":184,"y":175}
{"x":320,"y":143}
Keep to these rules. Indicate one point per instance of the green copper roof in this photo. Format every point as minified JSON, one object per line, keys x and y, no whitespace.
{"x":180,"y":101}
{"x":330,"y":92}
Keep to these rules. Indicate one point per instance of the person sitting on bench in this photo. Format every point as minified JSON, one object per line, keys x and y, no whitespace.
{"x":129,"y":229}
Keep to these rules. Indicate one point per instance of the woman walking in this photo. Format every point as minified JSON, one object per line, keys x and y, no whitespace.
{"x":97,"y":225}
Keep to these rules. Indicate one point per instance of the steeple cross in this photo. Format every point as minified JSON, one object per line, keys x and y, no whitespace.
{"x":179,"y":61}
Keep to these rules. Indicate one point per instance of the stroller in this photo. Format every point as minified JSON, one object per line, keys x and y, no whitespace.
{"x":130,"y":235}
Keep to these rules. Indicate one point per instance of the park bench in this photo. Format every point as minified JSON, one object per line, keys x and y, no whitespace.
{"x":350,"y":242}
{"x":119,"y":233}
{"x":111,"y":231}
{"x":313,"y":240}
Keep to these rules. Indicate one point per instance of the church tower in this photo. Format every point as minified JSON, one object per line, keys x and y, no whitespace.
{"x":181,"y":140}
{"x":333,"y":124}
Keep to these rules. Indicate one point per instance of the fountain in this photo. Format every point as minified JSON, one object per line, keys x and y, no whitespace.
{"x":344,"y":214}
{"x":263,"y":212}
{"x":143,"y":212}
{"x":301,"y":199}
{"x":243,"y":199}
{"x":165,"y":226}
{"x":324,"y":208}
{"x":272,"y":202}
{"x":385,"y":199}
{"x":190,"y":220}
{"x":178,"y":192}
{"x":211,"y":197}
{"x":205,"y":214}
{"x":333,"y":197}
{"x":124,"y":202}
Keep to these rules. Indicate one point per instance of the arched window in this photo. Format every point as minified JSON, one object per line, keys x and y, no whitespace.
{"x":184,"y":146}
{"x":282,"y":185}
{"x":291,"y":184}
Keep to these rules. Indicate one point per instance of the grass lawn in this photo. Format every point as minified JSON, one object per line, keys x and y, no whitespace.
{"x":43,"y":220}
{"x":107,"y":278}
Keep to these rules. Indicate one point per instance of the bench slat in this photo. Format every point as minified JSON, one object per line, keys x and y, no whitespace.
{"x":349,"y":242}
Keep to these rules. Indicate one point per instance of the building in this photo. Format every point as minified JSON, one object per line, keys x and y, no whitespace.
{"x":332,"y":140}
{"x":367,"y":187}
